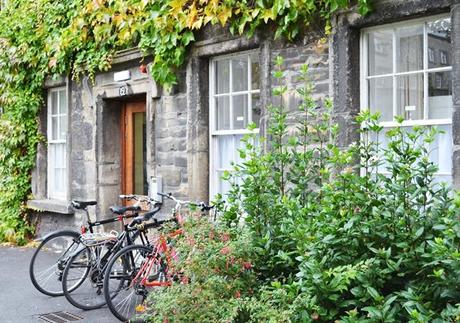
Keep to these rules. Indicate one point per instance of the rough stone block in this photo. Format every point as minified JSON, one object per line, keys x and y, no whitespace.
{"x":109,"y":174}
{"x":180,"y":161}
{"x":171,"y":176}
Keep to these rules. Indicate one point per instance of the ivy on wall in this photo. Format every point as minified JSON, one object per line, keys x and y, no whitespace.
{"x":42,"y":38}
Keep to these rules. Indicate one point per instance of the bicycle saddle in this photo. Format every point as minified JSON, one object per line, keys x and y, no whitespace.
{"x":122,"y":209}
{"x":82,"y":204}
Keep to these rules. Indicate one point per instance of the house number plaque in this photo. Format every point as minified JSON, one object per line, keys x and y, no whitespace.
{"x":123,"y":90}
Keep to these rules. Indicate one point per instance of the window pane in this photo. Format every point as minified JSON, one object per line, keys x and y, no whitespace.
{"x":223,"y":76}
{"x":59,"y":155}
{"x":381,"y":97}
{"x":240,"y":74}
{"x":256,"y":109}
{"x":409,"y":47}
{"x":223,"y":113}
{"x":54,"y":102}
{"x":240,"y":111}
{"x":440,"y":95}
{"x":255,"y":72}
{"x":58,"y":172}
{"x":441,"y":150}
{"x":410,"y":96}
{"x":63,"y":127}
{"x":54,"y":128}
{"x":62,"y":102}
{"x":380,"y":52}
{"x":226,"y":148}
{"x":439,"y":42}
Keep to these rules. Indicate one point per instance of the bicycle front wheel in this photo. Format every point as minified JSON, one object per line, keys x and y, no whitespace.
{"x":124,"y":292}
{"x":49,"y":260}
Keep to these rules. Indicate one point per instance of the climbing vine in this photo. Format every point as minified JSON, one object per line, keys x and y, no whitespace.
{"x":42,"y":38}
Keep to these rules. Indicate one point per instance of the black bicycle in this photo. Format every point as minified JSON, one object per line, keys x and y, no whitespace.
{"x":49,"y":260}
{"x":83,"y":276}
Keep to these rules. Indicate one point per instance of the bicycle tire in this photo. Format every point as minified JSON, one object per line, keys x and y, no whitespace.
{"x":87,"y":291}
{"x":51,"y":246}
{"x":116,"y":282}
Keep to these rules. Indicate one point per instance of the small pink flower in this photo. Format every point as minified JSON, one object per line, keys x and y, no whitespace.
{"x":225,"y":237}
{"x":237,"y":294}
{"x":225,"y":251}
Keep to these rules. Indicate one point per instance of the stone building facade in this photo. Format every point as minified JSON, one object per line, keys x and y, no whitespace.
{"x":123,"y":131}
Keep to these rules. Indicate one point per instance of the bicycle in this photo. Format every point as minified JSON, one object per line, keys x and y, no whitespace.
{"x":82,"y":278}
{"x":135,"y":270}
{"x":50,"y":257}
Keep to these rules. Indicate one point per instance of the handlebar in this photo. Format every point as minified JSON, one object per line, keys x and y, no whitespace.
{"x":139,"y":198}
{"x":203,"y":206}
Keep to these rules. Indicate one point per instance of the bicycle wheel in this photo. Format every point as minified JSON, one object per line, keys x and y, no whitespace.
{"x":49,"y":260}
{"x":83,"y":277}
{"x":122,"y":282}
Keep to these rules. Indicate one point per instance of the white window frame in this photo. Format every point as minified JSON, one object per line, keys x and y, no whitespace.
{"x":213,"y":132}
{"x":364,"y":77}
{"x":51,"y":192}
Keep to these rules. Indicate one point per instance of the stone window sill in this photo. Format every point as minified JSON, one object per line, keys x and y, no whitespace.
{"x":54,"y":206}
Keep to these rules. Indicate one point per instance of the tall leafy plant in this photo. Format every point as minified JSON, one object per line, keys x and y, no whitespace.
{"x":358,"y":234}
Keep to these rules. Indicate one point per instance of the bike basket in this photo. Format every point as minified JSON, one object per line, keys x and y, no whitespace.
{"x":100,"y":238}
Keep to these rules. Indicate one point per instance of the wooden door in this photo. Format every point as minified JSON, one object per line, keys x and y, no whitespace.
{"x":134,"y":177}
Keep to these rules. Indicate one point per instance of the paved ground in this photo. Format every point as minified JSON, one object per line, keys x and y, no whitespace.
{"x":20,"y":302}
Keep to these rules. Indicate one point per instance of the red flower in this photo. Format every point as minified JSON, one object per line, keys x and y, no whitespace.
{"x":247,"y":265}
{"x":237,"y":294}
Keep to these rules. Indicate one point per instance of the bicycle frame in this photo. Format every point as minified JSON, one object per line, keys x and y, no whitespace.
{"x":161,"y":247}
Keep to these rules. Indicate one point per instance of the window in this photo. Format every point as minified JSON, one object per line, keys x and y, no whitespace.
{"x":234,"y":103}
{"x":400,"y":76}
{"x":430,"y":55}
{"x":443,"y":57}
{"x":57,"y":140}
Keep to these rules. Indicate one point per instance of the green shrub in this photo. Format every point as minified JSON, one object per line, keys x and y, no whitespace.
{"x":328,"y":236}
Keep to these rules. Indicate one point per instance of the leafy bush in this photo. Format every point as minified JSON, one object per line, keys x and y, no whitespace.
{"x":329,"y":235}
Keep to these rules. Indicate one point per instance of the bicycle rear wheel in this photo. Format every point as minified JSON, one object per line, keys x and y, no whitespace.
{"x":123,"y":290}
{"x":49,"y":260}
{"x":83,"y":277}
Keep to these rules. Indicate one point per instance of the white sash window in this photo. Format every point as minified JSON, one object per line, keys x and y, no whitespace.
{"x":406,"y":70}
{"x":234,"y":103}
{"x":57,"y":141}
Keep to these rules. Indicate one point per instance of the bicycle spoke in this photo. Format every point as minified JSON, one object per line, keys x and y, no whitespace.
{"x":49,"y":261}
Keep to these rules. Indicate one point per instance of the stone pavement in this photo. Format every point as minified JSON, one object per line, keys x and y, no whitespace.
{"x":20,"y":302}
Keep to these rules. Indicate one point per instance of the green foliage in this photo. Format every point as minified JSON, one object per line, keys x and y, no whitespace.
{"x":330,"y":238}
{"x":43,"y":38}
{"x":214,"y":263}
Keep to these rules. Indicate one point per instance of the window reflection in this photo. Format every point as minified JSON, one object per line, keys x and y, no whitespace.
{"x":439,"y":42}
